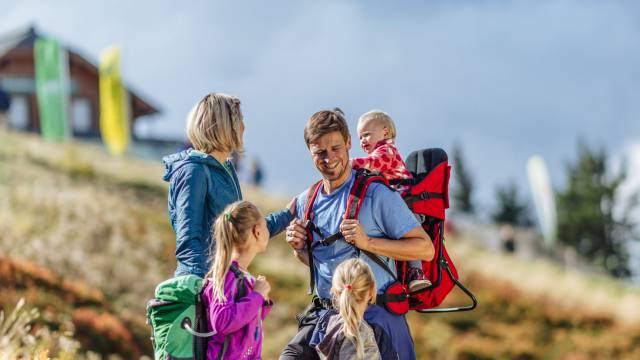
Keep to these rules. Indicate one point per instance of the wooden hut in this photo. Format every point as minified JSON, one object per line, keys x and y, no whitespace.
{"x":17,"y":78}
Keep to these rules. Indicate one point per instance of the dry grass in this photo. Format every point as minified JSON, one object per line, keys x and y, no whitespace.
{"x":18,"y":339}
{"x":85,"y":227}
{"x":103,"y":221}
{"x":567,"y":289}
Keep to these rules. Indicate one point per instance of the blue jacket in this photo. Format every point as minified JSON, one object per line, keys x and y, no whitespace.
{"x":200,"y":188}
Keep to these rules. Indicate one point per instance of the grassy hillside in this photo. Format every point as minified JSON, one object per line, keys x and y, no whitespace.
{"x":84,"y":239}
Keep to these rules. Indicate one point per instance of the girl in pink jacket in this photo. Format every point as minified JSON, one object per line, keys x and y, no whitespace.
{"x":241,"y":232}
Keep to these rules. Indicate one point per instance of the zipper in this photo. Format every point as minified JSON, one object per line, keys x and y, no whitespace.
{"x":235,"y":186}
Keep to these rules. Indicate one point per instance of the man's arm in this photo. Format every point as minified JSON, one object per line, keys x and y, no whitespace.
{"x":414,"y":245}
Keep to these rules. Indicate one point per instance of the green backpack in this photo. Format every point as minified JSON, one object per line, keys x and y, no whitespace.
{"x":178,"y":318}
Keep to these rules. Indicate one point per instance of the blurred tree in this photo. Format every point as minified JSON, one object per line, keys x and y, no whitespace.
{"x":586,"y":218}
{"x":463,"y":189}
{"x":510,"y":208}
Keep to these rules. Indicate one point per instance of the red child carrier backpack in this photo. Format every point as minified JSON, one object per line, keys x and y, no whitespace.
{"x":428,"y":197}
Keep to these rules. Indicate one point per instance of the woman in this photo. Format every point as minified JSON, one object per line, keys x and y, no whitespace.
{"x":203,"y":181}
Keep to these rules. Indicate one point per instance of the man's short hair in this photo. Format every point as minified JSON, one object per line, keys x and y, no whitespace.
{"x":324,"y":122}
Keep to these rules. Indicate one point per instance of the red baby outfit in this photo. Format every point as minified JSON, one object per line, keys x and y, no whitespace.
{"x":385,"y":159}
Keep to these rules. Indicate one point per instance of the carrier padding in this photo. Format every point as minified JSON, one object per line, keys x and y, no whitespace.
{"x":431,"y":172}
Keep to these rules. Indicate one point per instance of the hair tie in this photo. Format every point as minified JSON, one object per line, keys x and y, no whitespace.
{"x":228,"y":216}
{"x":348,"y":287}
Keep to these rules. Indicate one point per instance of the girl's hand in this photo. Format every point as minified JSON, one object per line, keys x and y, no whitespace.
{"x":354,"y":233}
{"x":262,"y":286}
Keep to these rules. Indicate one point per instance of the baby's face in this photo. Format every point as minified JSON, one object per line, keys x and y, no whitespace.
{"x":370,"y":132}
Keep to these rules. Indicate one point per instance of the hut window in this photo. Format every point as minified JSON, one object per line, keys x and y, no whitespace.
{"x":19,"y":112}
{"x":81,"y":115}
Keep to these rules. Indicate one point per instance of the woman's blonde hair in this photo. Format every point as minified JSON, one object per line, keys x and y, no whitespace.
{"x":231,"y":231}
{"x":382,"y":118}
{"x":353,"y":283}
{"x":215,"y":123}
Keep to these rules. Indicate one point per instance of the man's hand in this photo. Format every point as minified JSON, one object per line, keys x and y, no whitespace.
{"x":354,"y":233}
{"x":296,"y":234}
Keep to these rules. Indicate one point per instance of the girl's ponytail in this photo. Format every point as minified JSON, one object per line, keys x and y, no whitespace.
{"x":348,"y":308}
{"x":353,"y":283}
{"x":230,"y":230}
{"x":224,"y":235}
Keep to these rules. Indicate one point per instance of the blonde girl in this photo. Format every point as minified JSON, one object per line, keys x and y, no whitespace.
{"x":241,"y":233}
{"x":348,"y":335}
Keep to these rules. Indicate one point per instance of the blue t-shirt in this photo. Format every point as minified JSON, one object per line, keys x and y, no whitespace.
{"x":383,"y":214}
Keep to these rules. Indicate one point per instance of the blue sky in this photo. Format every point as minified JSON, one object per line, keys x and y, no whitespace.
{"x":505,"y":79}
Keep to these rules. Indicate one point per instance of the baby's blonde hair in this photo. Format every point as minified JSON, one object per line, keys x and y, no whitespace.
{"x":352,"y":284}
{"x":231,"y":230}
{"x":214,"y":124}
{"x":382,"y":118}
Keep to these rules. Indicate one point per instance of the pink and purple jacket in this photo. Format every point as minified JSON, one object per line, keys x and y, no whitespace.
{"x":242,"y":320}
{"x":385,"y":159}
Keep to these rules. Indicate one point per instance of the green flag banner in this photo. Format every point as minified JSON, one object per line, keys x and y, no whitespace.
{"x":52,"y":88}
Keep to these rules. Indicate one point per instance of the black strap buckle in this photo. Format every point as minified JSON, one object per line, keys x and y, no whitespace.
{"x":324,"y":240}
{"x":314,"y":228}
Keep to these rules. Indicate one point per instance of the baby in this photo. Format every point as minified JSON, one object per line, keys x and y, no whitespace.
{"x":377,"y":134}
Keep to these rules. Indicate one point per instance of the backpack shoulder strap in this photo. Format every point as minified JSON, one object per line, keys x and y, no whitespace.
{"x":359,"y":189}
{"x":312,"y":193}
{"x":240,"y":293}
{"x":356,"y":197}
{"x":240,"y":285}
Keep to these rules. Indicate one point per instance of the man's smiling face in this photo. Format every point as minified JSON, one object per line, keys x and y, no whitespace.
{"x":330,"y":154}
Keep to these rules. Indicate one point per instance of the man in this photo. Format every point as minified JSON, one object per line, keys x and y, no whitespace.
{"x":385,"y":226}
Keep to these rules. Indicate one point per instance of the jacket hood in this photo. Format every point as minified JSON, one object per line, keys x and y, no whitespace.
{"x":174,"y":162}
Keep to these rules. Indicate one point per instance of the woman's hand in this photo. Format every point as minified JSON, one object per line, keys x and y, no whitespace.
{"x":262,"y":286}
{"x":354,"y":233}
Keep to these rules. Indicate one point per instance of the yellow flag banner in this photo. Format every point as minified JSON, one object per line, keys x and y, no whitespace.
{"x":114,"y":109}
